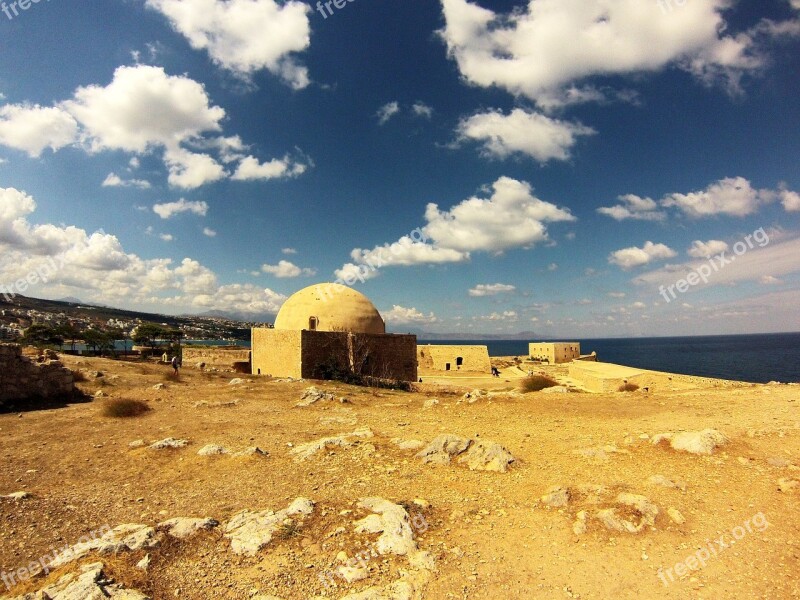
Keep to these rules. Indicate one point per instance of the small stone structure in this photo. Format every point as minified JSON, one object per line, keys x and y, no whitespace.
{"x":454,"y":358}
{"x":330,"y":329}
{"x":22,"y":378}
{"x":554,"y":352}
{"x":221,"y":357}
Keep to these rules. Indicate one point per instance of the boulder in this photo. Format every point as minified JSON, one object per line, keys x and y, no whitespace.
{"x":184,"y":527}
{"x":693,"y":442}
{"x":251,"y":531}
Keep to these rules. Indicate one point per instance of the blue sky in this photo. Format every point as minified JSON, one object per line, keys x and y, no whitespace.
{"x":575,"y":168}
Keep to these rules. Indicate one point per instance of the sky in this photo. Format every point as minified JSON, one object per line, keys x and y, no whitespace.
{"x":570,"y":168}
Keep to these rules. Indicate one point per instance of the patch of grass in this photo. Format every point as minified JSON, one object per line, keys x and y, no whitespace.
{"x":536,"y":383}
{"x":628,"y":387}
{"x":124,"y":408}
{"x":79,"y":377}
{"x":172,"y":377}
{"x":288,"y":530}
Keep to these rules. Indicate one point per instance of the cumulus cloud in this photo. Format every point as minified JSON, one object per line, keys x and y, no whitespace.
{"x":400,"y":315}
{"x":143,"y":110}
{"x":633,"y":207}
{"x":32,"y":128}
{"x":553,"y":45}
{"x":287,"y":270}
{"x":702,"y":249}
{"x":208,"y":232}
{"x":491,"y":289}
{"x":628,"y":258}
{"x":170,"y":209}
{"x":522,"y":132}
{"x":511,"y":217}
{"x":790,"y":200}
{"x":507,"y":315}
{"x":387,"y":111}
{"x":96,"y":267}
{"x":114,"y":180}
{"x":245,"y":36}
{"x":730,"y":196}
{"x":421,"y":109}
{"x":250,"y":169}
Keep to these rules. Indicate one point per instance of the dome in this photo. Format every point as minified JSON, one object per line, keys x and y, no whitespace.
{"x":330,"y":307}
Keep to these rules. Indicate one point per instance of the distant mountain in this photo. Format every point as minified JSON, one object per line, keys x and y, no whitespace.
{"x":71,"y":300}
{"x":426,"y":335}
{"x":237,"y":316}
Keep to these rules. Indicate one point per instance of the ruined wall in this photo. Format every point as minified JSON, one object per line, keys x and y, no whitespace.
{"x":554,"y":353}
{"x":276,"y":352}
{"x":221,"y":357}
{"x":324,"y":352}
{"x":446,"y":358}
{"x":22,"y":377}
{"x":390,"y":356}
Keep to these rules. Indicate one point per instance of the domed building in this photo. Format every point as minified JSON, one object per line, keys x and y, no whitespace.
{"x":330,"y":329}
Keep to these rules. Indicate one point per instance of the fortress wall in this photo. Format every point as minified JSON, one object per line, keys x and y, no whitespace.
{"x":391,"y":356}
{"x":324,"y":350}
{"x":215,"y":357}
{"x":276,"y":352}
{"x":437,"y":357}
{"x":22,"y":378}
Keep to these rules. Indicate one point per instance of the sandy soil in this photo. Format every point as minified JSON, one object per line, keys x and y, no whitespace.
{"x":489,"y":534}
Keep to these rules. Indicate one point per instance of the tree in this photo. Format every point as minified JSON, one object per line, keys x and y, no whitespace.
{"x":39,"y":334}
{"x":150,"y":334}
{"x":69,"y":333}
{"x":97,"y":340}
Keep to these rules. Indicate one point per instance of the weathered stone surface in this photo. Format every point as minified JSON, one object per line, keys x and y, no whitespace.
{"x":487,"y":456}
{"x":251,"y":531}
{"x":236,"y":381}
{"x":646,"y":512}
{"x":343,"y":440}
{"x":788,"y":485}
{"x":407,"y":444}
{"x":473,"y":396}
{"x":251,"y":451}
{"x":676,"y":515}
{"x":556,"y":497}
{"x":123,"y":537}
{"x":694,"y":442}
{"x":22,"y":378}
{"x":408,"y":587}
{"x":668,"y":483}
{"x":212,"y":450}
{"x":89,"y":584}
{"x":184,"y":527}
{"x":443,"y":448}
{"x":392,"y":522}
{"x":312,"y":395}
{"x":169,"y":443}
{"x":17,"y":496}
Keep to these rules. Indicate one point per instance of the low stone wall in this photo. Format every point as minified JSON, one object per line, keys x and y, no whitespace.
{"x":221,"y":357}
{"x":22,"y":377}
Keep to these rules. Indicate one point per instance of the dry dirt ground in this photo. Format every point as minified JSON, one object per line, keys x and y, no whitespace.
{"x":489,"y":533}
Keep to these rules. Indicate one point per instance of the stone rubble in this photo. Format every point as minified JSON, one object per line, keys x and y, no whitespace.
{"x":343,"y":440}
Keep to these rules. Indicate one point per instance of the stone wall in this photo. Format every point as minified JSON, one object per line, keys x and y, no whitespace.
{"x":220,"y":357}
{"x":22,"y":378}
{"x":454,"y":358}
{"x":554,"y":353}
{"x":276,"y":352}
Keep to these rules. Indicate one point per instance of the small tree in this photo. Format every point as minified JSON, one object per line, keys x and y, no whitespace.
{"x":42,"y":335}
{"x":149,"y":334}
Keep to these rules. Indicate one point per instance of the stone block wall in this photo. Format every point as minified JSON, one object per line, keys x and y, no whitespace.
{"x":454,"y":358}
{"x":22,"y":377}
{"x":221,"y":357}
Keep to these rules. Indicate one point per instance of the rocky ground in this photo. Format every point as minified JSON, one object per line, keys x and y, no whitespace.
{"x":258,"y":488}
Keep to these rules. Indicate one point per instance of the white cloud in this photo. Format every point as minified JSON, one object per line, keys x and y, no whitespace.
{"x":421,"y":109}
{"x":633,"y":207}
{"x":405,"y":316}
{"x":511,"y":217}
{"x":207,"y":231}
{"x":730,"y":196}
{"x":170,"y":209}
{"x":491,"y":289}
{"x":508,"y":315}
{"x":627,"y":258}
{"x":189,"y":170}
{"x":32,"y":128}
{"x":790,"y":200}
{"x":702,"y":249}
{"x":533,"y":134}
{"x":167,"y":237}
{"x":245,"y":36}
{"x":387,"y":111}
{"x":552,"y":44}
{"x":617,"y":295}
{"x":289,"y":251}
{"x":286,"y":270}
{"x":638,"y":305}
{"x":250,"y":169}
{"x":114,"y":180}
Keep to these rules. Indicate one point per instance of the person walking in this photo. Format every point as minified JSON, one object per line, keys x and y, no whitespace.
{"x":175,"y":364}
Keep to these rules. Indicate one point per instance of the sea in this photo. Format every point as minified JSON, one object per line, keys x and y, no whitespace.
{"x":757,"y":358}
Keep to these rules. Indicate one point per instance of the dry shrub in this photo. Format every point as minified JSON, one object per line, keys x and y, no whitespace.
{"x":536,"y":383}
{"x":628,"y":387}
{"x":124,"y":407}
{"x":79,"y":377}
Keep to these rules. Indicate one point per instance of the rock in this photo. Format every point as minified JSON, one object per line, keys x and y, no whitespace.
{"x":251,"y":451}
{"x":159,"y":386}
{"x":407,"y":444}
{"x":212,"y":449}
{"x":443,"y":448}
{"x":668,"y":483}
{"x":123,"y":537}
{"x":352,"y":574}
{"x":694,"y":442}
{"x":556,"y":497}
{"x":473,"y":396}
{"x":184,"y":527}
{"x":343,"y":440}
{"x":676,"y":516}
{"x":430,"y":403}
{"x":236,"y":381}
{"x":169,"y":443}
{"x":250,"y":531}
{"x":778,"y":461}
{"x":17,"y":496}
{"x":144,"y":564}
{"x":408,"y":587}
{"x":487,"y":456}
{"x":580,"y":525}
{"x":136,"y":444}
{"x":646,"y":510}
{"x":787,"y":485}
{"x":312,"y":395}
{"x":100,"y":394}
{"x":392,"y":522}
{"x":90,"y":584}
